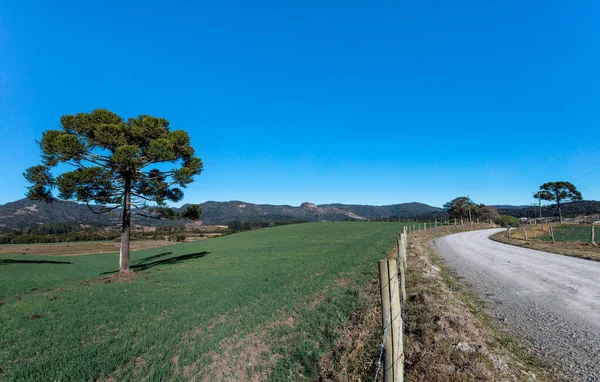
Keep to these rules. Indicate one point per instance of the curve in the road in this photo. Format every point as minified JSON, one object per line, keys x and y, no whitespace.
{"x":551,"y":300}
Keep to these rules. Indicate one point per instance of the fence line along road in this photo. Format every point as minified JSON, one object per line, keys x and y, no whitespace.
{"x":556,"y":233}
{"x":392,"y":281}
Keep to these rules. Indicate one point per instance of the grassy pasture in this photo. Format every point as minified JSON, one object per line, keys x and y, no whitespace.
{"x":265,"y":303}
{"x":570,"y":233}
{"x":76,"y":248}
{"x":562,"y":233}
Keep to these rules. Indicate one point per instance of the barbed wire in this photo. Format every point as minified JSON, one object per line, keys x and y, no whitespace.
{"x":386,"y":327}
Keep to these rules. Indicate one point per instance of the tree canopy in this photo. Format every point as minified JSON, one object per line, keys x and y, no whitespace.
{"x":459,"y":207}
{"x":117,"y":163}
{"x":558,"y":192}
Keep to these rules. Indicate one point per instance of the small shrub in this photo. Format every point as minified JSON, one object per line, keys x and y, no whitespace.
{"x":508,"y":221}
{"x":178,"y":237}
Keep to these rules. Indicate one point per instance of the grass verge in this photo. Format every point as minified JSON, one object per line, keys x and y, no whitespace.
{"x":448,"y":335}
{"x":567,"y":248}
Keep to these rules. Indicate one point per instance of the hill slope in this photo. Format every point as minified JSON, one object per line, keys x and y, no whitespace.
{"x":25,"y":212}
{"x":569,"y":210}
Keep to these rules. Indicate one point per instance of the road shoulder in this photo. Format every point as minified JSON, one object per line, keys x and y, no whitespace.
{"x":581,"y":250}
{"x":449,"y":335}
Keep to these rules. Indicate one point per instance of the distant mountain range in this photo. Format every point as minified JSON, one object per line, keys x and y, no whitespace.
{"x":223,"y":212}
{"x":24,"y":213}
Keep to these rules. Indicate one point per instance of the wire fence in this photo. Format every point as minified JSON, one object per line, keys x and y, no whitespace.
{"x":392,"y":281}
{"x":554,"y":232}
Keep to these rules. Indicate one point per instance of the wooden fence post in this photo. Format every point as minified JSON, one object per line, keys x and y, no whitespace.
{"x":508,"y":232}
{"x":397,"y":327}
{"x":525,"y":232}
{"x":386,"y":317}
{"x":552,"y":234}
{"x":594,"y":237}
{"x":402,"y":268}
{"x":393,"y":366}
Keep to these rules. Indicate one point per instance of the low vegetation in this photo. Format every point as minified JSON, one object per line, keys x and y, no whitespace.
{"x":266,"y":304}
{"x":569,"y":233}
{"x":570,"y":240}
{"x":508,"y":221}
{"x":77,"y":248}
{"x":48,"y":233}
{"x":449,"y":335}
{"x":239,"y":226}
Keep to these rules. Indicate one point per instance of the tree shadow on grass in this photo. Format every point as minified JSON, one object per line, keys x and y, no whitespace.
{"x":146,"y":259}
{"x":12,"y":261}
{"x":145,"y":264}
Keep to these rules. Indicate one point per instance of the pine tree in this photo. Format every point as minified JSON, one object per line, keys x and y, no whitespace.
{"x":557,"y":192}
{"x":116,"y":163}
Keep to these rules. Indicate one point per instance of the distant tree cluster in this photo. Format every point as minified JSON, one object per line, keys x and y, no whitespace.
{"x":463,"y":208}
{"x":239,"y":226}
{"x":558,"y":192}
{"x":57,"y":228}
{"x":569,"y":210}
{"x":43,"y":235}
{"x":19,"y":237}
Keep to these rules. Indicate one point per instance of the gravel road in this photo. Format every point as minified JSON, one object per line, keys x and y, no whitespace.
{"x":551,"y":301}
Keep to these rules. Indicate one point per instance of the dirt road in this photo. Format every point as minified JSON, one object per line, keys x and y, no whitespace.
{"x":551,"y":301}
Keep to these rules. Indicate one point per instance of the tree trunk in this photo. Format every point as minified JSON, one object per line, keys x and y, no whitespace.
{"x":125,"y":229}
{"x":559,"y":211}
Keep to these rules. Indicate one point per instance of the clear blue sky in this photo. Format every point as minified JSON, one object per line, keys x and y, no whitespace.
{"x":355,"y":102}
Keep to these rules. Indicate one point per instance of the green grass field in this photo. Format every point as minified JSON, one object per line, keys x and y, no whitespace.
{"x":572,"y":233}
{"x":268,"y":301}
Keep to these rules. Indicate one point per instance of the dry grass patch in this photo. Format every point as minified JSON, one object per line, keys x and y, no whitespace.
{"x":239,"y":359}
{"x":76,"y":249}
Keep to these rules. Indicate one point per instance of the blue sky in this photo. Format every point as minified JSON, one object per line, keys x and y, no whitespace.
{"x":353,"y":102}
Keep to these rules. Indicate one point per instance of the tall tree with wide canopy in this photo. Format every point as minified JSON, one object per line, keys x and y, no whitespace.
{"x":459,"y":207}
{"x":558,"y":192}
{"x":482,"y":211}
{"x":117,"y":163}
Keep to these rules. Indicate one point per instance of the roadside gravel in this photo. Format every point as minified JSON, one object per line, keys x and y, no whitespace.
{"x":549,"y":300}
